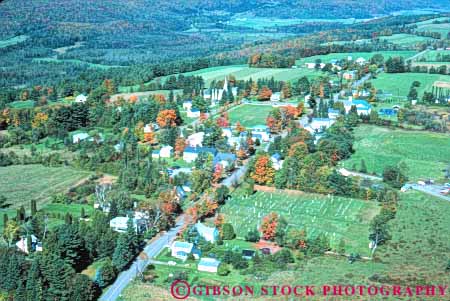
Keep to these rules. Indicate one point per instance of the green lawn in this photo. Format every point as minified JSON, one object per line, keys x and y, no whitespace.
{"x":249,"y":115}
{"x":21,"y":183}
{"x":403,"y":39}
{"x":366,"y":55}
{"x":426,"y":154}
{"x":398,"y":84}
{"x":336,"y":217}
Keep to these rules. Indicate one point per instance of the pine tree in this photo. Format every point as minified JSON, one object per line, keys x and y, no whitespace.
{"x":122,"y":253}
{"x":33,"y":208}
{"x":363,"y":166}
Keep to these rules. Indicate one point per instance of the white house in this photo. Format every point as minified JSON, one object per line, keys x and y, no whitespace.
{"x":210,"y":234}
{"x":166,"y":151}
{"x":81,"y":98}
{"x":361,"y":61}
{"x":208,"y":265}
{"x":362,"y":106}
{"x":313,"y":65}
{"x":263,"y":131}
{"x":187,"y":105}
{"x":181,"y":249}
{"x":193,"y":113}
{"x":276,"y":96}
{"x":227,"y":132}
{"x":120,"y":224}
{"x":195,"y":139}
{"x":78,"y":137}
{"x":148,"y":128}
{"x":191,"y":153}
{"x":22,"y":244}
{"x":277,"y":163}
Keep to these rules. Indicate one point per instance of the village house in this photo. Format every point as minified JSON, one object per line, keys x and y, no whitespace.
{"x":195,"y":139}
{"x":234,"y":142}
{"x":276,"y":96}
{"x":81,"y":98}
{"x":210,"y":234}
{"x":208,"y":265}
{"x":362,"y":106}
{"x":193,"y":113}
{"x":22,"y":244}
{"x":227,"y":132}
{"x":333,"y":114}
{"x":191,"y":153}
{"x":319,"y":125}
{"x":262,"y":130}
{"x":181,"y":249}
{"x":78,"y":137}
{"x":225,"y":159}
{"x":187,"y":105}
{"x":277,"y":163}
{"x":120,"y":224}
{"x":361,"y":61}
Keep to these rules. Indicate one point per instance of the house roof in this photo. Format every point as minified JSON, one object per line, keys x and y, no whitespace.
{"x":209,"y":262}
{"x":205,"y":230}
{"x":198,"y":150}
{"x":224,"y":157}
{"x":333,"y":111}
{"x":182,"y":245}
{"x":276,"y":156}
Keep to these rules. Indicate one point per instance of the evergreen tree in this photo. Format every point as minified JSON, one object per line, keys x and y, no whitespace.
{"x":33,"y":208}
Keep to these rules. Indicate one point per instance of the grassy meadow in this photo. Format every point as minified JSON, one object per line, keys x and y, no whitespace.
{"x":366,"y":55}
{"x":398,"y":84}
{"x":426,"y":154}
{"x":337,"y":217}
{"x":21,"y":183}
{"x":249,"y":115}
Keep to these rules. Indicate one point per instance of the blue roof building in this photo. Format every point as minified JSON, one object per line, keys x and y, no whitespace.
{"x":208,"y":265}
{"x":226,"y":157}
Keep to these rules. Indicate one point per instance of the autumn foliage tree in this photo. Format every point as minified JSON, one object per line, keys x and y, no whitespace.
{"x":180,"y":145}
{"x":217,"y":175}
{"x":166,"y":118}
{"x":240,"y":128}
{"x":223,"y":121}
{"x":263,"y":172}
{"x":269,"y":226}
{"x":264,"y":94}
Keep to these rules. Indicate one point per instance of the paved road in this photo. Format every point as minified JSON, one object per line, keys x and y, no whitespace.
{"x":235,"y":176}
{"x":417,"y":55}
{"x":139,"y":264}
{"x":431,"y":190}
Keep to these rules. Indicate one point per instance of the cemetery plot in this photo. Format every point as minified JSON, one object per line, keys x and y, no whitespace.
{"x":337,"y":217}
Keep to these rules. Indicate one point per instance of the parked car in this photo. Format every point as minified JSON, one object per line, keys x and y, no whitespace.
{"x":421,"y":183}
{"x":445,"y":191}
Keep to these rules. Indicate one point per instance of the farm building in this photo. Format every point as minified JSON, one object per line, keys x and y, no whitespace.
{"x":81,"y":98}
{"x":78,"y":137}
{"x":181,"y":249}
{"x":262,"y":130}
{"x":208,"y":265}
{"x":191,"y":153}
{"x":210,"y":234}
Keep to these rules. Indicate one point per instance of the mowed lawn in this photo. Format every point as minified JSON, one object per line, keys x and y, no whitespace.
{"x":22,"y":183}
{"x":337,"y":217}
{"x":249,"y":115}
{"x":398,"y":84}
{"x":426,"y":154}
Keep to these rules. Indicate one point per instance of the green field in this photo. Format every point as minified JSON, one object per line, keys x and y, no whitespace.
{"x":336,"y":217}
{"x":426,"y":154}
{"x":21,"y":183}
{"x":13,"y":41}
{"x":366,"y":55}
{"x":428,"y":25}
{"x":403,"y":39}
{"x":242,"y":72}
{"x":249,"y":115}
{"x":398,"y":84}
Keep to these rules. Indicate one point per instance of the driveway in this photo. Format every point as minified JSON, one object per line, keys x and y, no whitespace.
{"x":151,"y":250}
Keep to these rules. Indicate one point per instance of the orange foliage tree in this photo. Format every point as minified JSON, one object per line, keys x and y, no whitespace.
{"x":39,"y":119}
{"x":263,"y":172}
{"x":166,"y":118}
{"x":217,"y":175}
{"x":180,"y":145}
{"x":264,"y":93}
{"x":240,"y":128}
{"x":133,"y":99}
{"x":160,"y":98}
{"x":269,"y":226}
